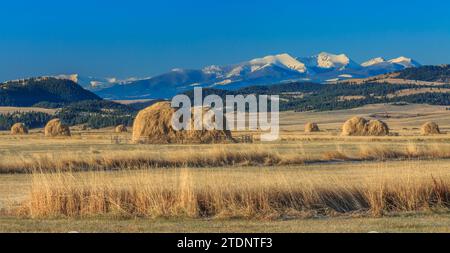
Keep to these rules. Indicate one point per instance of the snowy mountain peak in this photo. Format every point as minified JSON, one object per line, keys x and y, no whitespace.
{"x":211,"y":69}
{"x":71,"y":77}
{"x":405,"y":62}
{"x":280,"y":60}
{"x":327,"y":60}
{"x":373,"y":61}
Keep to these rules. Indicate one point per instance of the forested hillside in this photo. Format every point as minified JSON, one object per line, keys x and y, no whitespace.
{"x":34,"y":91}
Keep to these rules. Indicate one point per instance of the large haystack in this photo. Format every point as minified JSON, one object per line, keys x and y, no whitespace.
{"x":377,"y":128}
{"x":358,"y":126}
{"x":121,"y":129}
{"x":430,"y":128}
{"x":355,"y":126}
{"x":56,"y":128}
{"x":311,"y":127}
{"x":19,"y":129}
{"x":154,"y":125}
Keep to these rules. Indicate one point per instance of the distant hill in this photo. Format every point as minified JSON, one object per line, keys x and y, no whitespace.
{"x":439,"y":73}
{"x":424,"y":75}
{"x":34,"y":91}
{"x":299,"y":96}
{"x":96,"y":114}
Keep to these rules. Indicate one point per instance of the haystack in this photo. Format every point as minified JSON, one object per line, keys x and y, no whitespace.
{"x":377,"y":128}
{"x":121,"y":129}
{"x":56,"y":128}
{"x":358,"y":126}
{"x":19,"y":128}
{"x":154,"y":125}
{"x":355,"y":126}
{"x":311,"y":127}
{"x":430,"y":128}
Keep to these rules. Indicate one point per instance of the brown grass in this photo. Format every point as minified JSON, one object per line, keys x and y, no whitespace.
{"x":218,"y":156}
{"x":185,"y":193}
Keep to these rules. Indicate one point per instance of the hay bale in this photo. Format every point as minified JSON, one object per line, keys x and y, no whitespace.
{"x":358,"y":126}
{"x":377,"y":128}
{"x":121,"y":129}
{"x":355,"y":126}
{"x":56,"y":128}
{"x":311,"y":127}
{"x":154,"y":125}
{"x":18,"y":129}
{"x":430,"y":128}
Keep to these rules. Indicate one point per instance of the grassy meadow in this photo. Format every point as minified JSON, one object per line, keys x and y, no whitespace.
{"x":97,"y":180}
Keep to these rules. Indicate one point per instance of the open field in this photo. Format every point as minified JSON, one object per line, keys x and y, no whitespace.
{"x":318,"y":182}
{"x":409,"y":223}
{"x":8,"y":109}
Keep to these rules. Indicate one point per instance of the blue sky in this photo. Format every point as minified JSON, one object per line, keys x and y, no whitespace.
{"x":144,"y":38}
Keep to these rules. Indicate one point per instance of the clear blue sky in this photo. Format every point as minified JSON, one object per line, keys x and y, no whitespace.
{"x":143,"y":38}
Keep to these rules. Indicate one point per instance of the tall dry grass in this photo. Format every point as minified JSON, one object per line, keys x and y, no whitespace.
{"x":247,"y":194}
{"x":218,"y":156}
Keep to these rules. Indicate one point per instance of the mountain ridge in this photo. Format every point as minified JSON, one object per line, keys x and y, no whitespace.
{"x":279,"y":68}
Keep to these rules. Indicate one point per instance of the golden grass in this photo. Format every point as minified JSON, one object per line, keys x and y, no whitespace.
{"x":265,"y":194}
{"x":216,"y":156}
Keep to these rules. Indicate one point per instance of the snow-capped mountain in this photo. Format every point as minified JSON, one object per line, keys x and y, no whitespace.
{"x":282,"y":61}
{"x":94,"y":83}
{"x":267,"y":70}
{"x":405,"y":62}
{"x":373,"y":61}
{"x":328,"y":61}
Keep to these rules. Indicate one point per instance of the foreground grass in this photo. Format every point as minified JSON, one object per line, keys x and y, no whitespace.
{"x":414,"y":223}
{"x":266,"y":194}
{"x":219,"y":156}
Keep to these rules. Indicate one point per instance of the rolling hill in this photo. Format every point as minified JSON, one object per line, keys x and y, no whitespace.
{"x":34,"y":91}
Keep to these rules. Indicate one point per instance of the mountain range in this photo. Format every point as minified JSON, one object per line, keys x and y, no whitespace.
{"x":273,"y":69}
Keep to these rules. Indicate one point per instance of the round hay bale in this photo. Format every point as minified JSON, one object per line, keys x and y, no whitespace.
{"x":121,"y":129}
{"x":55,"y":128}
{"x":355,"y":126}
{"x":154,"y":125}
{"x":377,"y":128}
{"x":19,"y":129}
{"x":311,"y":127}
{"x":430,"y":128}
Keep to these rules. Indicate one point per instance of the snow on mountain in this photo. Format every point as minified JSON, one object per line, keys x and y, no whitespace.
{"x":284,"y":61}
{"x":405,"y":62}
{"x":373,"y":61}
{"x":266,"y":70}
{"x":94,"y":83}
{"x":329,"y":61}
{"x":281,"y":60}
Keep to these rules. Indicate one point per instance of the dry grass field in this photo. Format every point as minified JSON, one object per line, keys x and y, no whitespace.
{"x":8,"y":109}
{"x":316,"y":182}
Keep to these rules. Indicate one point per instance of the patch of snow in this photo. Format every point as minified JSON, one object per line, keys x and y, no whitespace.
{"x":224,"y":82}
{"x":213,"y":69}
{"x":235,"y":72}
{"x":405,"y":62}
{"x":280,"y":60}
{"x":373,"y":61}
